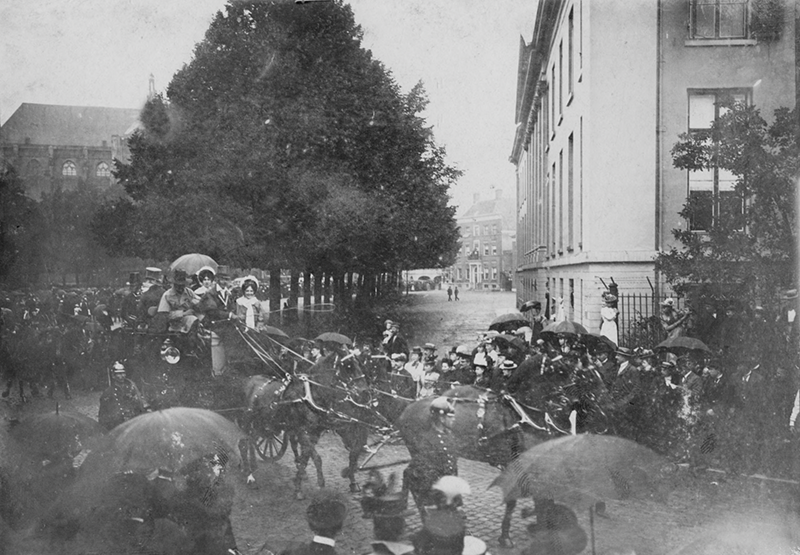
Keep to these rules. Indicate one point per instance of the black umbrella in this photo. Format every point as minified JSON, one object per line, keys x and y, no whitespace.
{"x":597,"y":342}
{"x":55,"y":435}
{"x":572,"y":328}
{"x":333,"y":337}
{"x":509,"y":320}
{"x":682,"y":343}
{"x":507,"y":340}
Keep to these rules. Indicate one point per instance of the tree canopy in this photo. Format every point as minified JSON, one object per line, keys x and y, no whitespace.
{"x":283,"y":143}
{"x":749,"y":251}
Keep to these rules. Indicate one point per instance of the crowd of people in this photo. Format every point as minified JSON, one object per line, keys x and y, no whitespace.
{"x":732,"y":403}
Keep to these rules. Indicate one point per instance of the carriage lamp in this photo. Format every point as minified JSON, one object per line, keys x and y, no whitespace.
{"x":169,"y":352}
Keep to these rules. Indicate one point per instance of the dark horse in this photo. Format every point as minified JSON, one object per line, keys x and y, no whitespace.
{"x":485,"y":427}
{"x":333,"y":395}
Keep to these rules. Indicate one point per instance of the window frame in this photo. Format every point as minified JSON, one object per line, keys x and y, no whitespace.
{"x":717,"y":5}
{"x":105,"y":168}
{"x":69,"y":169}
{"x":716,"y":198}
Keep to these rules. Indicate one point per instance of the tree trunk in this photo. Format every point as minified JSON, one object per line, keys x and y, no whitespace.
{"x":307,"y":288}
{"x":274,"y":290}
{"x":317,"y":287}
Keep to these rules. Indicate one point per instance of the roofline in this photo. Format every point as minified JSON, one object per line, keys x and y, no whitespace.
{"x":546,"y":14}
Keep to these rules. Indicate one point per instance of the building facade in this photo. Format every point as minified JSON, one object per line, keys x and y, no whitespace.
{"x":486,"y":257}
{"x":604,"y":91}
{"x":66,"y":146}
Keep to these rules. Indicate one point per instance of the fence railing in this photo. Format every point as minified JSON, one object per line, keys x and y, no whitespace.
{"x":639,"y":322}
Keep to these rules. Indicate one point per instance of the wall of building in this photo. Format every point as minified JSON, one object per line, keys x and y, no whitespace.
{"x":766,"y":69}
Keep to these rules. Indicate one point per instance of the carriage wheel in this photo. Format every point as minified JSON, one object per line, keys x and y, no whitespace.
{"x":271,"y":445}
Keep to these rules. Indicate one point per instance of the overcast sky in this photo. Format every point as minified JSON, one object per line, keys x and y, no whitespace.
{"x":101,"y":53}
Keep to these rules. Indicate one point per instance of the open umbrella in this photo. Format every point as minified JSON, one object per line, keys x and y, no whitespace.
{"x":333,"y":337}
{"x":585,"y":467}
{"x":509,"y":320}
{"x":566,"y":326}
{"x":597,"y":342}
{"x":507,"y":340}
{"x":192,"y":263}
{"x":167,"y":439}
{"x":274,"y":332}
{"x":682,"y":343}
{"x":55,"y":435}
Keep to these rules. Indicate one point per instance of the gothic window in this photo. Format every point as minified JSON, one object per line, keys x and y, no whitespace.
{"x":69,"y":168}
{"x":103,"y":170}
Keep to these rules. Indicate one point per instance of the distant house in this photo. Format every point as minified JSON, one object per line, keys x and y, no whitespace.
{"x":63,"y":146}
{"x":486,"y":258}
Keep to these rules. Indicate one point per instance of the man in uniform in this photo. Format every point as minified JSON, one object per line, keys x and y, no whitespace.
{"x":433,"y":456}
{"x":121,"y":401}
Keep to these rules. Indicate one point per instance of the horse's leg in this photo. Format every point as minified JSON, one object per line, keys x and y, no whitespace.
{"x":301,"y":462}
{"x":317,"y":459}
{"x":354,"y":439}
{"x":505,"y":527}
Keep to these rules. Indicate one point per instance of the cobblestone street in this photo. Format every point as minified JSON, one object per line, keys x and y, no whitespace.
{"x":269,"y":517}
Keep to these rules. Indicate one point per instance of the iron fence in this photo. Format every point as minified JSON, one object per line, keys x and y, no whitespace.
{"x":639,"y":322}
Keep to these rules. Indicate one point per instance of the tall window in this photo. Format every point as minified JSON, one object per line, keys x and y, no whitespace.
{"x":69,"y":168}
{"x":103,"y":170}
{"x":553,"y":99}
{"x":494,"y":250}
{"x":571,"y":51}
{"x":494,"y":229}
{"x":570,"y":191}
{"x":560,"y":78}
{"x":486,"y":250}
{"x":561,"y":200}
{"x":711,"y":191}
{"x":476,"y":230}
{"x":719,"y":19}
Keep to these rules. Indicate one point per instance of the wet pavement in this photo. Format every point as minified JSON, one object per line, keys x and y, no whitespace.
{"x":268,"y":518}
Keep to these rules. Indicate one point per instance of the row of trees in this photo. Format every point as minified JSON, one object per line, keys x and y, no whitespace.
{"x":284,"y":144}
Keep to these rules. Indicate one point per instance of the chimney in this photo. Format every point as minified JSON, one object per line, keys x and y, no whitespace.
{"x":498,"y":194}
{"x":476,"y":197}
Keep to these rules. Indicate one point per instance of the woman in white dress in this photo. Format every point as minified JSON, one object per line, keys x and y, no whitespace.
{"x":608,"y":313}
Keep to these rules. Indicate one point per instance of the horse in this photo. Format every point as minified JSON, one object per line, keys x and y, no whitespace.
{"x":333,"y":395}
{"x":486,"y":427}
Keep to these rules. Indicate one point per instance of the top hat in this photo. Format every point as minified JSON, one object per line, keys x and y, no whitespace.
{"x":223,"y":272}
{"x":443,"y":533}
{"x":152,"y":273}
{"x":179,"y":277}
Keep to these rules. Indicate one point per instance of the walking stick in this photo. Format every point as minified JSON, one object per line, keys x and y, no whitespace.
{"x":591,"y":527}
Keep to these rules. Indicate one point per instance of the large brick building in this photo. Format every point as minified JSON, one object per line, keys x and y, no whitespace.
{"x":63,"y":146}
{"x":604,"y":91}
{"x":486,"y":258}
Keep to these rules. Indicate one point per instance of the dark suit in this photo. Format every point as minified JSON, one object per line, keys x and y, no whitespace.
{"x":310,"y":548}
{"x":395,"y":345}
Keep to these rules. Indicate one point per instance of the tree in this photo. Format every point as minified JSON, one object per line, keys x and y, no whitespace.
{"x":749,"y":251}
{"x":293,"y":147}
{"x":20,"y":231}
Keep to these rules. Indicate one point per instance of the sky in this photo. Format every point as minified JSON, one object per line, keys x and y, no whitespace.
{"x":102,"y":52}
